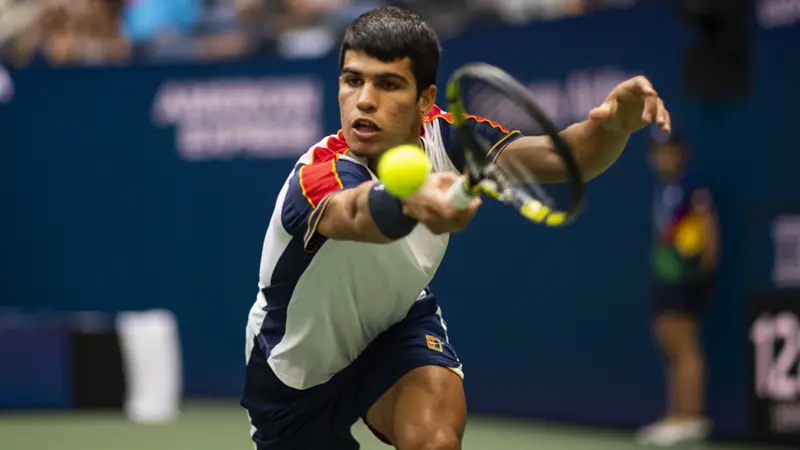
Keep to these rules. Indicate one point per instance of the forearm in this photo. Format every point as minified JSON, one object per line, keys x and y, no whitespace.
{"x":596,"y":149}
{"x":364,"y":214}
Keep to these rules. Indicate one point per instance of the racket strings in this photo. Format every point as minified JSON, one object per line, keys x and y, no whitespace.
{"x":506,"y":179}
{"x":525,"y":181}
{"x":489,"y":106}
{"x":514,"y":184}
{"x":487,"y":101}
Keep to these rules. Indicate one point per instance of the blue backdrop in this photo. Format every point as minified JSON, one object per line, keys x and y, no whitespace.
{"x":121,"y":190}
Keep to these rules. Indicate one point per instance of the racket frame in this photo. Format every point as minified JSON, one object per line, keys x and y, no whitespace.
{"x":476,"y":153}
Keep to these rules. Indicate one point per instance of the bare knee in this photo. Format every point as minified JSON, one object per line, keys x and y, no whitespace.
{"x":427,"y":410}
{"x":432,"y":438}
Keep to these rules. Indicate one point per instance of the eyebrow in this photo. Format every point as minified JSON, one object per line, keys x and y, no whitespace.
{"x":384,"y":75}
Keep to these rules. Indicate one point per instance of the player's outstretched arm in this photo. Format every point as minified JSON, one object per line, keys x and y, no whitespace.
{"x":596,"y":149}
{"x":601,"y":139}
{"x":349,"y":216}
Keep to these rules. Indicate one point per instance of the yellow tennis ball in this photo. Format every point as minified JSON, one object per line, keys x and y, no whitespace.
{"x":403,"y":170}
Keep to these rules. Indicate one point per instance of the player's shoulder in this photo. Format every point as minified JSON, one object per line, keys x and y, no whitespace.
{"x":436,"y":121}
{"x":437,"y":113}
{"x":326,"y":167}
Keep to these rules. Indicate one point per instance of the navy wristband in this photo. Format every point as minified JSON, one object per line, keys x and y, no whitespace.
{"x":387,"y":213}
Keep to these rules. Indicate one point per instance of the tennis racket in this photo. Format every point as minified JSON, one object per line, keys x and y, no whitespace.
{"x":484,"y":90}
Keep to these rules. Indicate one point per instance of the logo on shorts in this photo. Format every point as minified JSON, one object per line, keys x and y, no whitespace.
{"x":434,"y":343}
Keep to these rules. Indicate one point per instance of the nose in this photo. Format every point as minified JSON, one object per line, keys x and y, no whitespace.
{"x":367,"y":99}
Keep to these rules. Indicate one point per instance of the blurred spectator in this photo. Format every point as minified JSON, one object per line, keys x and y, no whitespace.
{"x":684,"y":261}
{"x":448,"y":17}
{"x":113,"y":31}
{"x":151,"y":19}
{"x":84,"y":32}
{"x":311,"y":27}
{"x":169,"y":30}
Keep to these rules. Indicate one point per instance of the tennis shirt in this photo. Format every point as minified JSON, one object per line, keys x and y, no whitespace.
{"x":672,"y":204}
{"x":321,"y":302}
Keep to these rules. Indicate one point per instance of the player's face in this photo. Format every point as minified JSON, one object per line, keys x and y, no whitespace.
{"x":378,"y":104}
{"x":667,"y":160}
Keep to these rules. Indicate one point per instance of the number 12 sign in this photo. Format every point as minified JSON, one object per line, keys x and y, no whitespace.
{"x":774,"y":366}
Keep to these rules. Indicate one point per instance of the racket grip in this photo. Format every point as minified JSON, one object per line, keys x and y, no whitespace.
{"x":458,"y":196}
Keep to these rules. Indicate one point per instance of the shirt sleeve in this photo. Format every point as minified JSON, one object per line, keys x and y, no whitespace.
{"x":496,"y":135}
{"x":310,"y":189}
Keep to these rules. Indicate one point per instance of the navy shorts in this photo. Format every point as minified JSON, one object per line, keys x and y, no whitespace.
{"x":320,"y":418}
{"x":691,"y":297}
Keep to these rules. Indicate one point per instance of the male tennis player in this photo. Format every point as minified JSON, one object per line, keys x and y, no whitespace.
{"x":344,"y":326}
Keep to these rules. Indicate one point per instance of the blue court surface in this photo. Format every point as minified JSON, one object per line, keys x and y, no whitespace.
{"x":223,"y":425}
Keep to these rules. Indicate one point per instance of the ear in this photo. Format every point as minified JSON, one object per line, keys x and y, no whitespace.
{"x":426,"y":100}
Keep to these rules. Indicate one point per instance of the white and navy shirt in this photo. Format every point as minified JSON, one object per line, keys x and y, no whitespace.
{"x":321,"y":302}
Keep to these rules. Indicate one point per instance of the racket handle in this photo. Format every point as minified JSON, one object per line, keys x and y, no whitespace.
{"x":458,"y":196}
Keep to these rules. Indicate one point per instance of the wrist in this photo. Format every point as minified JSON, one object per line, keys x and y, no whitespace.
{"x":387,"y":213}
{"x":606,"y":129}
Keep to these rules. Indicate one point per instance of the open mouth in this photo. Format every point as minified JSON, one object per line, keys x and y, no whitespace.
{"x":365,"y":126}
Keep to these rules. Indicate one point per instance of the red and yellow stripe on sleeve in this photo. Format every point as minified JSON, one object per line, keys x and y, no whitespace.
{"x":318,"y":180}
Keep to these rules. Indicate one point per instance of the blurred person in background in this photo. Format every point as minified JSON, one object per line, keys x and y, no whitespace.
{"x":523,"y":11}
{"x":447,"y":17}
{"x":181,"y":30}
{"x":175,"y":30}
{"x":232,"y":28}
{"x":684,"y":261}
{"x":312,"y":28}
{"x":80,"y":32}
{"x":147,"y":20}
{"x":110,"y":31}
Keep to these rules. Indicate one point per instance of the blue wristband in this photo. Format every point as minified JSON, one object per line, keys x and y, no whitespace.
{"x":387,"y":213}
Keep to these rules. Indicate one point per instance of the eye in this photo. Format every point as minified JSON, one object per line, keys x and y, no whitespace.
{"x":354,"y":82}
{"x":389,"y":86}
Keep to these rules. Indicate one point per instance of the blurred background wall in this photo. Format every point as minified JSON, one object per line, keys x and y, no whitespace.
{"x":143,"y":143}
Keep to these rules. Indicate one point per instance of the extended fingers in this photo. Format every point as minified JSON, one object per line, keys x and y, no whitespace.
{"x":635,"y":95}
{"x":663,"y":118}
{"x":651,"y":100}
{"x":644,"y":86}
{"x":650,"y":110}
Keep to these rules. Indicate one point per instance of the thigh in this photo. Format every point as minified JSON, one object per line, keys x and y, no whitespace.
{"x":414,"y":389}
{"x":426,"y":408}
